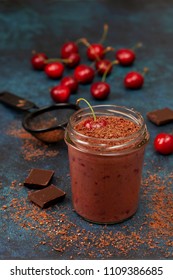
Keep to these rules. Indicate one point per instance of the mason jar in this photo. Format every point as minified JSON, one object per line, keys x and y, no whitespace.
{"x":106,"y":173}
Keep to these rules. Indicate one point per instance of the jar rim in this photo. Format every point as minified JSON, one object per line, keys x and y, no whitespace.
{"x":108,"y":110}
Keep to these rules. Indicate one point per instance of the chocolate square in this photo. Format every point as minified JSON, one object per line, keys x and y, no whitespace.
{"x":38,"y":178}
{"x":47,"y":196}
{"x":161,"y":116}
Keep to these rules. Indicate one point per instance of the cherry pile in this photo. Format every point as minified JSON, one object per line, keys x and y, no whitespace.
{"x":83,"y":73}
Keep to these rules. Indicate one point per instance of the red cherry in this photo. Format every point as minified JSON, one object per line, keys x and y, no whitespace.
{"x":95,"y":51}
{"x":54,"y":70}
{"x":125,"y":56}
{"x":68,"y":48}
{"x":70,"y":82}
{"x":133,"y":80}
{"x":84,"y":74}
{"x":103,"y":66}
{"x":38,"y":61}
{"x":90,"y":123}
{"x":60,"y":93}
{"x":74,"y":59}
{"x":163,"y":143}
{"x":100,"y":90}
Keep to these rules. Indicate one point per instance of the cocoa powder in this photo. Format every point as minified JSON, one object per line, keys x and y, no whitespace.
{"x":108,"y":134}
{"x":31,"y":148}
{"x":60,"y":229}
{"x":115,"y":127}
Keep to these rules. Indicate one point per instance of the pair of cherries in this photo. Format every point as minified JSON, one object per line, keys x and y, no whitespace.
{"x":54,"y":69}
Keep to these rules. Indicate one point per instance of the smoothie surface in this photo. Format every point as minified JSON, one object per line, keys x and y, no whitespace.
{"x":107,"y":127}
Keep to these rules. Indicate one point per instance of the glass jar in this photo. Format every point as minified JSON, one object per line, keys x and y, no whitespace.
{"x":106,"y":173}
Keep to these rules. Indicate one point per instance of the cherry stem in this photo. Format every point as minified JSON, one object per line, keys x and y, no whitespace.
{"x":84,"y":41}
{"x":137,"y":46}
{"x":105,"y":32}
{"x":57,"y":59}
{"x":89,"y":105}
{"x":109,"y":49}
{"x":115,"y":62}
{"x":78,"y":41}
{"x":88,"y":45}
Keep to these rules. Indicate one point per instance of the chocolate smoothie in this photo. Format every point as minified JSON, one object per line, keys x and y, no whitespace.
{"x":106,"y":159}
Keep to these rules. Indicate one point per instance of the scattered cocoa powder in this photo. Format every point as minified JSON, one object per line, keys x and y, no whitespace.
{"x":13,"y":184}
{"x":148,"y":232}
{"x":35,"y":149}
{"x":32,"y":148}
{"x":160,"y":219}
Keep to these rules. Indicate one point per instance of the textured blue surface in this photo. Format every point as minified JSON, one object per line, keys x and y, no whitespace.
{"x":44,"y":26}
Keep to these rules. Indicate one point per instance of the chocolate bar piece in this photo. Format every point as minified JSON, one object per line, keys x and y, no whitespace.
{"x":161,"y":116}
{"x":47,"y":196}
{"x":38,"y":178}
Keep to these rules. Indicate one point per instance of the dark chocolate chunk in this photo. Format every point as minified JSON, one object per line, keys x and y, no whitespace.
{"x":38,"y":178}
{"x":161,"y":116}
{"x":47,"y":196}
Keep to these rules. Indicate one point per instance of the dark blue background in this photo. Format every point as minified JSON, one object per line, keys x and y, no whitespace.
{"x":44,"y":26}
